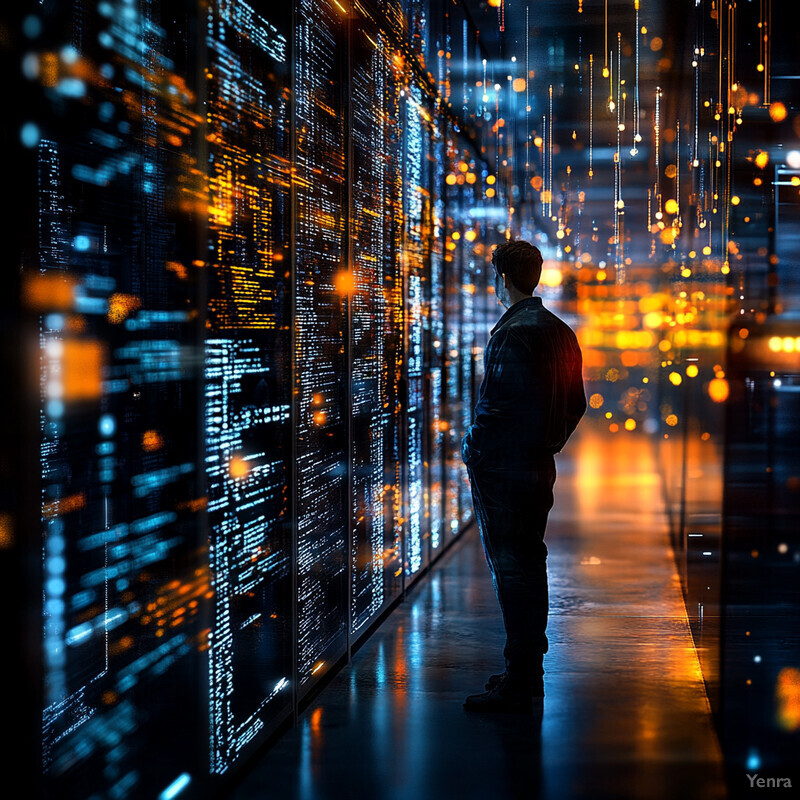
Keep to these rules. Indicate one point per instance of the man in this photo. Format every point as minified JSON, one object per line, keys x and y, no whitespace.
{"x":530,"y":401}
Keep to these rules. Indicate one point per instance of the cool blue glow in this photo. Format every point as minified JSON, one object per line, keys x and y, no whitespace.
{"x":107,"y":425}
{"x":82,"y":243}
{"x":32,"y":26}
{"x":753,"y":760}
{"x":30,"y":134}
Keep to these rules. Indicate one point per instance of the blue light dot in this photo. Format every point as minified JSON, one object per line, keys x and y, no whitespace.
{"x":56,"y":586}
{"x":55,"y":409}
{"x":55,"y":607}
{"x":32,"y":26}
{"x":55,"y":544}
{"x":82,"y":243}
{"x":757,"y":659}
{"x":69,"y":55}
{"x":753,"y":760}
{"x":56,"y":565}
{"x":107,"y":425}
{"x":30,"y":135}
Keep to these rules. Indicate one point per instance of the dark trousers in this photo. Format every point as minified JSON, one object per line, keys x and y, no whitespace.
{"x":512,"y":508}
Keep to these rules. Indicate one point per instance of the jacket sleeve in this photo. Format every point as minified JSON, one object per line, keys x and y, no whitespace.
{"x":576,"y":395}
{"x":506,"y":362}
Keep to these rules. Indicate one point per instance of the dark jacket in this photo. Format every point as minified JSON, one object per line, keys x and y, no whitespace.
{"x":531,"y":397}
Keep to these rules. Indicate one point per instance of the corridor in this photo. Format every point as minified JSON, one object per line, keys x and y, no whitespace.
{"x":625,"y":713}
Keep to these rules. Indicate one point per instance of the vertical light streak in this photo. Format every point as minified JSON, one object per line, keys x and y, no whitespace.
{"x":591,"y":115}
{"x":550,"y":154}
{"x":636,"y":135}
{"x":656,"y":150}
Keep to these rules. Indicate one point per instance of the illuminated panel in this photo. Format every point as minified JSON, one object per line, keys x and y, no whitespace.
{"x":125,"y":581}
{"x":376,"y":329}
{"x":436,"y":422}
{"x":453,"y":354}
{"x":248,"y":375}
{"x":416,"y":242}
{"x":322,"y":282}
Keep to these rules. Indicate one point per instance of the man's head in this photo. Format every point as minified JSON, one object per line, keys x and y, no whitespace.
{"x":518,"y":267}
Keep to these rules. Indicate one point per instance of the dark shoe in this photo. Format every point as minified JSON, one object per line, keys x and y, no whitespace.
{"x":504,"y":697}
{"x":536,"y":691}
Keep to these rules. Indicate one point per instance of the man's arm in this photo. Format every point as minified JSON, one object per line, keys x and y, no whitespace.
{"x":576,"y":396}
{"x":506,"y":365}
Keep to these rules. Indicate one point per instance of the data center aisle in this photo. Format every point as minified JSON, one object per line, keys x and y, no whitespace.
{"x":625,"y":713}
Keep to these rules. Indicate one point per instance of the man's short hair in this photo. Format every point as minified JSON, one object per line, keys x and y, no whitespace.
{"x":521,"y":261}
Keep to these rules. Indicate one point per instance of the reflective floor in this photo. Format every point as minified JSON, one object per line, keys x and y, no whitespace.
{"x":625,"y":713}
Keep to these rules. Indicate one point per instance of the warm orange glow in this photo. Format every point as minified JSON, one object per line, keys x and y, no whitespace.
{"x":319,"y":417}
{"x":490,"y":179}
{"x":671,"y":206}
{"x":675,"y":378}
{"x":777,"y":112}
{"x":49,"y":291}
{"x":787,"y":699}
{"x":82,"y":369}
{"x":6,"y":531}
{"x":152,"y":441}
{"x":490,"y":192}
{"x":238,"y":467}
{"x":630,"y":424}
{"x":762,"y":159}
{"x":120,"y":306}
{"x":450,"y":180}
{"x":344,"y":282}
{"x":671,"y":420}
{"x":718,"y":390}
{"x":56,"y":508}
{"x":519,"y":84}
{"x":596,"y":400}
{"x":692,"y":371}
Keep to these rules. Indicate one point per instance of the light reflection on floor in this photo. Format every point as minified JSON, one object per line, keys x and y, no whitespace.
{"x":625,"y":714}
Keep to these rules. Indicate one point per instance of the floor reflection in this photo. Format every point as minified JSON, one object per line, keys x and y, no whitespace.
{"x":625,"y":713}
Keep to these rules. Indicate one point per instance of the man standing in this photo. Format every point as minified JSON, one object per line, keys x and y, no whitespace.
{"x":530,"y":401}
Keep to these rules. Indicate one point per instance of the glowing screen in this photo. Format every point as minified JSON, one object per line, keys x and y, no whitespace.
{"x":256,"y":334}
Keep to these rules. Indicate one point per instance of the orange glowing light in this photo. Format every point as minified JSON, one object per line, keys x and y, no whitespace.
{"x":152,"y":441}
{"x":120,"y":306}
{"x":787,"y":699}
{"x":596,"y":400}
{"x":630,"y":424}
{"x":82,"y":369}
{"x":49,"y":291}
{"x":777,"y":111}
{"x":671,"y":206}
{"x":671,"y":420}
{"x":519,"y":84}
{"x":450,"y":180}
{"x":762,"y":159}
{"x":692,"y":371}
{"x":319,"y":417}
{"x":718,"y":390}
{"x":238,"y":467}
{"x":6,"y":531}
{"x":490,"y":192}
{"x":344,"y":282}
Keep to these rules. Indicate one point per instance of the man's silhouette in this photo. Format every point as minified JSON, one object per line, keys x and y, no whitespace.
{"x":530,"y":400}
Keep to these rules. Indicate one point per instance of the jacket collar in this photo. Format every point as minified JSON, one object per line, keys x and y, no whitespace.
{"x":528,"y":302}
